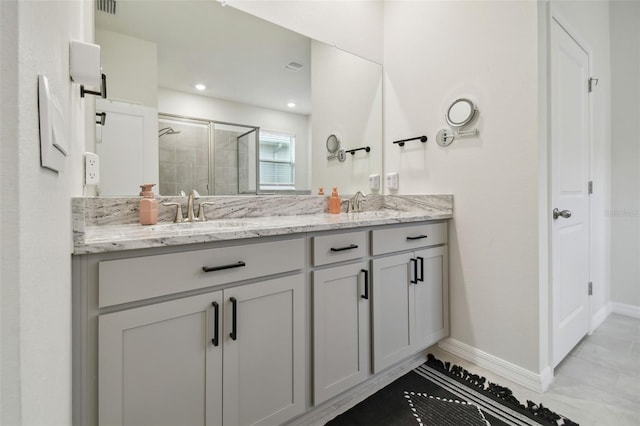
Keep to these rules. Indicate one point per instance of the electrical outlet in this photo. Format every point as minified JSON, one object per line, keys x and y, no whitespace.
{"x":374,"y":182}
{"x":392,"y":180}
{"x":91,"y":169}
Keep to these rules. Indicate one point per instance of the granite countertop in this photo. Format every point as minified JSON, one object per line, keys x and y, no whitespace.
{"x":98,"y":236}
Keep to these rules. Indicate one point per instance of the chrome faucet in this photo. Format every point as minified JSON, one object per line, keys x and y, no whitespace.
{"x":356,"y":201}
{"x":191,"y":217}
{"x":354,"y":205}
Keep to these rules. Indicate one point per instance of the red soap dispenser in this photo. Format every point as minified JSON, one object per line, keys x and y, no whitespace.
{"x":148,"y":205}
{"x":334,"y":202}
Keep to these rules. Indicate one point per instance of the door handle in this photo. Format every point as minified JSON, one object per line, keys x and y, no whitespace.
{"x":349,"y":247}
{"x":238,"y":264}
{"x":234,"y":318}
{"x":421,"y":259}
{"x":561,"y":213}
{"x":414,"y":280}
{"x":216,"y":323}
{"x":366,"y":284}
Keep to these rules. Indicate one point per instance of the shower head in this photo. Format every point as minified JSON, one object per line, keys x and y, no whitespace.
{"x":167,"y":131}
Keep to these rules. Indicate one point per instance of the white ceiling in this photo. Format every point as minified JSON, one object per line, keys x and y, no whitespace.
{"x":237,"y":56}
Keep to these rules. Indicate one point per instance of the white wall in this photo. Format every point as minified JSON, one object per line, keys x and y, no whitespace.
{"x":180,"y":103}
{"x":131,"y":66}
{"x":354,"y":26}
{"x":435,"y":52}
{"x":625,"y":143}
{"x":36,"y":211}
{"x":498,"y":248}
{"x":347,"y":102}
{"x":10,"y":398}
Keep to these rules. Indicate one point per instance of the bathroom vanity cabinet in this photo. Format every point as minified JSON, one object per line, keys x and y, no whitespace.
{"x":341,"y":313}
{"x":252,"y":331}
{"x":200,"y":359}
{"x":410,"y":287}
{"x":205,"y":337}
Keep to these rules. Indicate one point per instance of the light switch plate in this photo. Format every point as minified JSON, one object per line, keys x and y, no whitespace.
{"x":53,"y":142}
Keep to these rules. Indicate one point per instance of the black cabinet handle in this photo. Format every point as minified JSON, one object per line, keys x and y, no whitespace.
{"x":366,"y":284}
{"x":419,"y":237}
{"x":216,"y":323}
{"x":421,"y":259}
{"x":234,"y":318}
{"x":349,"y":247}
{"x":415,"y":271}
{"x":220,"y":268}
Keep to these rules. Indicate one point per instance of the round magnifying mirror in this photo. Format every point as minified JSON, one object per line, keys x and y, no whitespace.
{"x":333,"y":144}
{"x":460,"y":113}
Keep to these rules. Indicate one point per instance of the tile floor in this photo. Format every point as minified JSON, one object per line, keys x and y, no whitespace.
{"x":598,"y":384}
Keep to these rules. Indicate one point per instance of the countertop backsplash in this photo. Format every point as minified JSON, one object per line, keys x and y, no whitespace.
{"x":106,"y":224}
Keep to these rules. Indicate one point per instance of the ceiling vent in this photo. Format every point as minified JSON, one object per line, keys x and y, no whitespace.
{"x":293,"y":66}
{"x":107,"y":6}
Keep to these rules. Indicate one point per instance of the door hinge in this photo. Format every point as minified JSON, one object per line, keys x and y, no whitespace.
{"x":590,"y":288}
{"x":590,"y":187}
{"x":593,"y":82}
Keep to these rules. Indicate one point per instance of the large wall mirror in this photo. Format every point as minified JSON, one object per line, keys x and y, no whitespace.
{"x":207,"y":97}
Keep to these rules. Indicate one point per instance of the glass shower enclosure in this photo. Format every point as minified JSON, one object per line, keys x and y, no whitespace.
{"x":212,"y":157}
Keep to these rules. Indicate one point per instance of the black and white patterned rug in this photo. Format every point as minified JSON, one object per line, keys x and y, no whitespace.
{"x":441,"y":394}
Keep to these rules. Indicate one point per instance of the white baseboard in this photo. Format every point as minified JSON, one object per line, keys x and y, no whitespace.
{"x":628,"y":310}
{"x":536,"y":382}
{"x":599,"y":317}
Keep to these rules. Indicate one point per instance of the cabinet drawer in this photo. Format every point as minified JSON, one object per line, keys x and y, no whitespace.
{"x":127,"y":280}
{"x":339,"y":247}
{"x":408,"y":237}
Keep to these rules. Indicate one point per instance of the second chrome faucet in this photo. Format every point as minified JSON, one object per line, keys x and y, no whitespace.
{"x":191,"y":216}
{"x":354,"y":205}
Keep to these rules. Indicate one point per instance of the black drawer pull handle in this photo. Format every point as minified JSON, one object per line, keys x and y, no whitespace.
{"x":419,"y":237}
{"x":234,"y":318}
{"x":421,"y":259}
{"x":349,"y":247}
{"x":220,"y":268}
{"x":216,"y":323}
{"x":414,"y":280}
{"x":366,"y":284}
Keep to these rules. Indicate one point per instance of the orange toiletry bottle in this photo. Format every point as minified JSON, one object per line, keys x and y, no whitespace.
{"x":334,"y":202}
{"x":148,"y":205}
{"x":320,"y":191}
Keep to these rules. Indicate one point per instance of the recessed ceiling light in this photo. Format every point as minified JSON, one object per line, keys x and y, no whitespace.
{"x":200,"y":86}
{"x":291,"y":104}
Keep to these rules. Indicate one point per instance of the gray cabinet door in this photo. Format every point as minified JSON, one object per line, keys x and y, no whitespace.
{"x":393,"y":310}
{"x":341,"y":330}
{"x":431,"y":297}
{"x":157,"y":364}
{"x":264,"y":361}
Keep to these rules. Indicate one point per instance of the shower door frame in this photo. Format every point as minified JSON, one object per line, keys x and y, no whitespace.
{"x":257,"y":155}
{"x":211,"y":140}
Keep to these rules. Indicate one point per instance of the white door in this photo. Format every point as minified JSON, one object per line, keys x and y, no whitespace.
{"x":263,"y":375}
{"x":569,"y":191}
{"x":341,"y":329}
{"x":432,"y":322}
{"x":393,"y":309}
{"x":127,"y":147}
{"x":158,"y":364}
